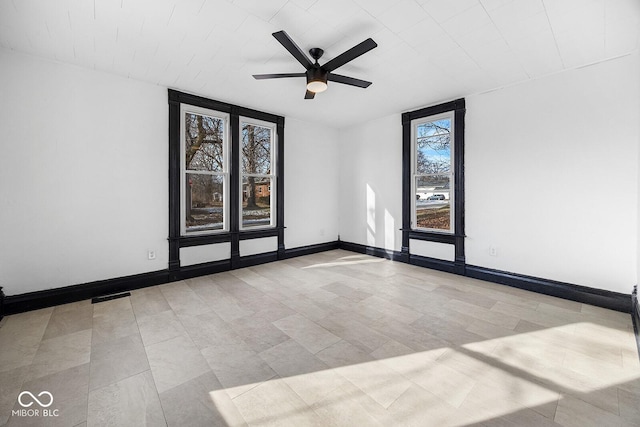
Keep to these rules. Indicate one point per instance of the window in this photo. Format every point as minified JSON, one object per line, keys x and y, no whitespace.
{"x":205,"y":171}
{"x":433,"y":173}
{"x":433,"y":177}
{"x":257,"y":177}
{"x":225,"y":181}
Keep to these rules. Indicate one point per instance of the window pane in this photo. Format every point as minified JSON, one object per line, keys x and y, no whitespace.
{"x":203,"y":146}
{"x":433,"y":203}
{"x":256,"y":201}
{"x":204,"y":206}
{"x":433,"y":142}
{"x":256,"y":149}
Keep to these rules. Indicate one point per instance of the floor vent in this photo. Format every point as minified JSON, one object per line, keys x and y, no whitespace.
{"x":109,"y":297}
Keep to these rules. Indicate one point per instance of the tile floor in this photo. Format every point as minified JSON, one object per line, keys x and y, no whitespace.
{"x":332,"y":339}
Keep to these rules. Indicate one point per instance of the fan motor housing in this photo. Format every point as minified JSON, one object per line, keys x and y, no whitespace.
{"x":316,"y":74}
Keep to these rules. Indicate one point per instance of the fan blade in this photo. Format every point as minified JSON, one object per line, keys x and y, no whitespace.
{"x":293,"y":48}
{"x":309,"y":95}
{"x":277,"y":76}
{"x":350,"y":55}
{"x":348,"y":80}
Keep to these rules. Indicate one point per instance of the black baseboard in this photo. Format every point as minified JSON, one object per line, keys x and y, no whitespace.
{"x":251,"y":260}
{"x":371,"y":250}
{"x":598,"y":297}
{"x":51,"y":297}
{"x":1,"y":303}
{"x":635,"y":315}
{"x":436,"y":264}
{"x":40,"y":299}
{"x":197,"y":270}
{"x":310,"y":249}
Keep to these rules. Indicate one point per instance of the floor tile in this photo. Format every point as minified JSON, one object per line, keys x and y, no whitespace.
{"x":353,"y":331}
{"x":69,"y":390}
{"x":237,"y":369}
{"x":410,"y":409}
{"x":390,"y":349}
{"x":183,"y":300}
{"x":148,"y":301}
{"x":494,"y":317}
{"x":629,"y":406}
{"x":20,"y":336}
{"x":259,"y":282}
{"x":113,"y":319}
{"x":307,"y":333}
{"x":342,"y":408}
{"x":258,"y":333}
{"x":61,"y":353}
{"x":303,"y":304}
{"x":344,"y":290}
{"x":446,"y":383}
{"x":129,"y":402}
{"x":160,"y":327}
{"x":383,"y":384}
{"x":174,"y":362}
{"x":208,"y":329}
{"x":319,"y":385}
{"x":200,"y":402}
{"x":474,"y":298}
{"x":290,"y":358}
{"x":273,"y":403}
{"x":575,"y":412}
{"x":267,"y":308}
{"x":69,"y":318}
{"x":330,"y":339}
{"x":218,"y":300}
{"x":116,"y":360}
{"x":343,"y":353}
{"x":10,"y":387}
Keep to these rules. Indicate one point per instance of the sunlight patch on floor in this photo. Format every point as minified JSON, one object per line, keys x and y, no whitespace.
{"x":462,"y":385}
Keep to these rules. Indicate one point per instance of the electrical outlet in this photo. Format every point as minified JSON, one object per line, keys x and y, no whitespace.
{"x":493,"y":251}
{"x":151,"y":255}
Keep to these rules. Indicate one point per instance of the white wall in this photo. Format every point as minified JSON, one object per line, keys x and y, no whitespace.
{"x":637,"y":57}
{"x":83,"y":175}
{"x":311,"y":183}
{"x":371,"y":183}
{"x":552,"y":176}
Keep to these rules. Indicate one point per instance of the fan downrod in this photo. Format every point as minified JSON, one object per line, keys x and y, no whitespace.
{"x":316,"y":53}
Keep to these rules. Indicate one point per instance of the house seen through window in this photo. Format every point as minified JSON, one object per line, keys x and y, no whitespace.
{"x":257,"y":177}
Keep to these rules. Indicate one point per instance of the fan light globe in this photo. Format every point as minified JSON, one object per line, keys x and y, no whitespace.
{"x":316,"y":86}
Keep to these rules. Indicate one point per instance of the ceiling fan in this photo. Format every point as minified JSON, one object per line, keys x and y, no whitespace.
{"x":317,"y":75}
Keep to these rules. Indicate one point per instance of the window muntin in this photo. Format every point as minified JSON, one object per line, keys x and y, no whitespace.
{"x":258,"y":140}
{"x":433,"y":173}
{"x":204,"y":178}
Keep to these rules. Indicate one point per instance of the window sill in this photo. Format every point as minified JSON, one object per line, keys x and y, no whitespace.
{"x":433,"y":236}
{"x":223,"y":237}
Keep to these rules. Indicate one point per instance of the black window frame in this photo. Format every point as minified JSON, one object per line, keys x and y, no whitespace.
{"x":234,"y":235}
{"x":457,"y":237}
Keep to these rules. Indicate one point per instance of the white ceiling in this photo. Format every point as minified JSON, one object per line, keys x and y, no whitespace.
{"x":428,"y":50}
